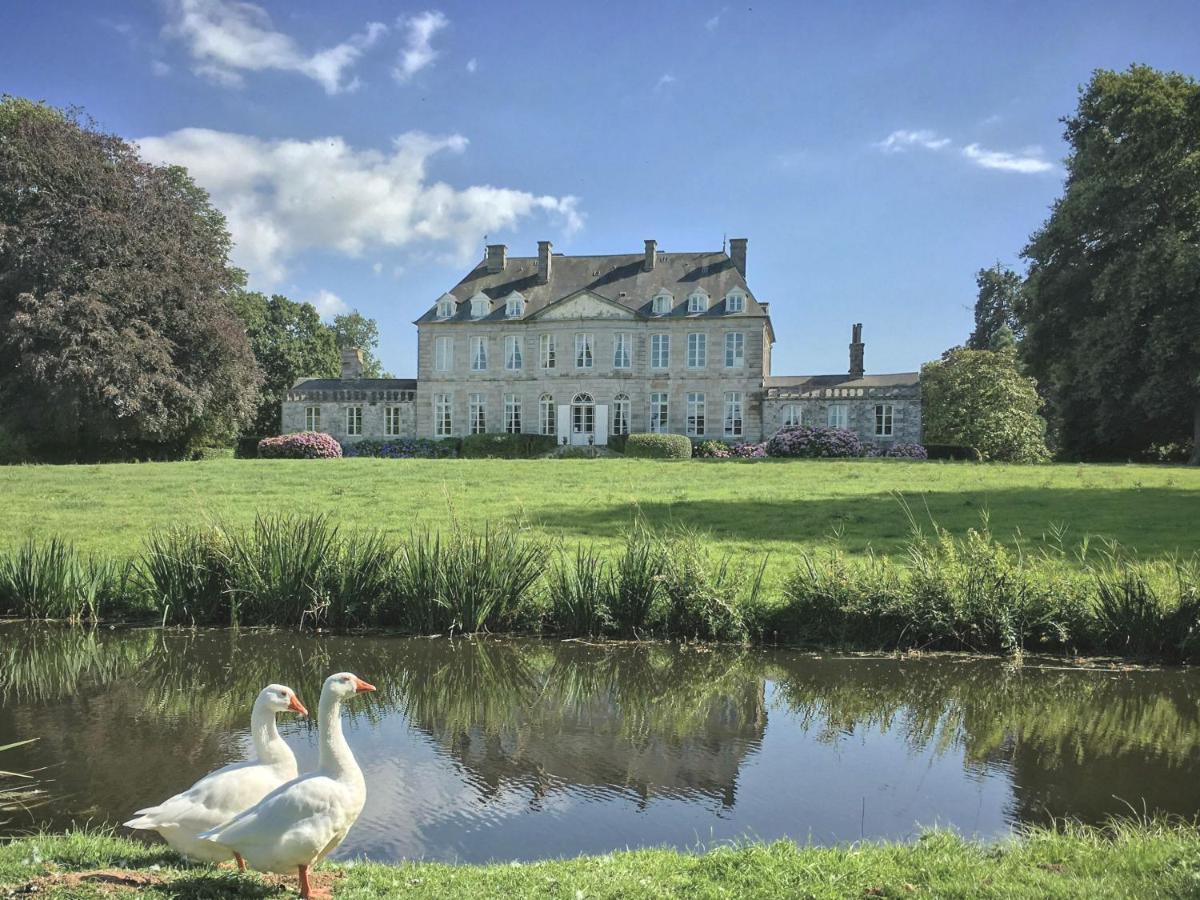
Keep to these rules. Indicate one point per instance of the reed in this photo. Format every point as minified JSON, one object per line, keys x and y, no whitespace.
{"x":184,"y":573}
{"x":578,"y":588}
{"x":277,"y":569}
{"x":51,"y":580}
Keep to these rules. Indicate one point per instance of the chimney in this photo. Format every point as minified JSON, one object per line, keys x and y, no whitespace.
{"x":497,"y":257}
{"x":737,"y":253}
{"x":544,"y":258}
{"x":352,"y":362}
{"x":651,"y":255}
{"x":856,"y":351}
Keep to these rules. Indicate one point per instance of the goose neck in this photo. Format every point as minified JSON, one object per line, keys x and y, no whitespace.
{"x":336,"y":758}
{"x":268,"y":745}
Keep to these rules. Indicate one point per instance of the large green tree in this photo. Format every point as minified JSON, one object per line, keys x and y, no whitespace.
{"x":353,"y":329}
{"x":997,"y":306}
{"x":1112,"y":305}
{"x":116,"y":334}
{"x":978,"y":398}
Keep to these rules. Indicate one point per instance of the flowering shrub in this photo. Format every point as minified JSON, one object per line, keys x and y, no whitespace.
{"x":712,"y":450}
{"x":303,"y":445}
{"x":897,"y":451}
{"x":814,"y":441}
{"x":403,"y":448}
{"x":749,"y":451}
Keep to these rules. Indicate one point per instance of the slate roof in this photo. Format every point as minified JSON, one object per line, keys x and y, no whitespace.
{"x":815,"y":385}
{"x":620,"y":278}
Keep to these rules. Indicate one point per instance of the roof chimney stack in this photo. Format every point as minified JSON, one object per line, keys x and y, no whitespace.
{"x":352,"y":362}
{"x":737,"y":253}
{"x":651,"y":255}
{"x":497,"y":258}
{"x":545,"y":249}
{"x":856,"y":351}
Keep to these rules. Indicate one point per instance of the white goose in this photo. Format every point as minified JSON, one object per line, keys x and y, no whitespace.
{"x":222,"y":794}
{"x":300,"y":823}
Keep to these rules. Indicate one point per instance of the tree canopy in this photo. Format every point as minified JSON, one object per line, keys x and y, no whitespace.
{"x":997,"y":324}
{"x":353,"y":329}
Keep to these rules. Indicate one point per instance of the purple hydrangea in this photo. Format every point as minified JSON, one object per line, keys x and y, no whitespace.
{"x":401,"y":448}
{"x":897,"y":451}
{"x":814,"y":441}
{"x":749,"y":451}
{"x":712,"y":450}
{"x":302,"y":445}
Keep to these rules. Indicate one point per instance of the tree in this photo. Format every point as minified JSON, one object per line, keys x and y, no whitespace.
{"x":116,"y":336}
{"x":290,"y":342}
{"x":356,"y":330}
{"x":978,"y":398}
{"x":996,"y":307}
{"x":1112,"y":312}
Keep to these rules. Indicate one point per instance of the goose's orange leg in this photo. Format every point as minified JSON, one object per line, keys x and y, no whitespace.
{"x":241,"y":862}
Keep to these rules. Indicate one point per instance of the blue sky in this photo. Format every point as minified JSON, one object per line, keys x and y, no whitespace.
{"x":875,"y":154}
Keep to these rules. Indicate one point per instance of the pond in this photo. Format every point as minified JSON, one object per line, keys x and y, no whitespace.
{"x":476,"y":750}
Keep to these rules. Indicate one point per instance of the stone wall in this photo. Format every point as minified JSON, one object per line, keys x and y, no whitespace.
{"x":333,"y":414}
{"x":860,"y":404}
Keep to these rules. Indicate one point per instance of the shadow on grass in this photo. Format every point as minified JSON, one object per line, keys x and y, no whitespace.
{"x":195,"y":887}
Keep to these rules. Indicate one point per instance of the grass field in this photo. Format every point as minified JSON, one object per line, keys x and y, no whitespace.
{"x":1128,"y":861}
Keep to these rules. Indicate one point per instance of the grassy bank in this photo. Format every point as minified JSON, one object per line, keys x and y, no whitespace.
{"x":1121,"y":861}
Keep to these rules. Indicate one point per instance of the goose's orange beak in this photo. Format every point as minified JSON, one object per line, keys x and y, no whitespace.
{"x":296,"y":706}
{"x":360,"y":685}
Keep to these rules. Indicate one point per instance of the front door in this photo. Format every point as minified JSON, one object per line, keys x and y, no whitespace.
{"x":583,"y":420}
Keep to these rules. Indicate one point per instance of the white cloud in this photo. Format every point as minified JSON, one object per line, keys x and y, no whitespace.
{"x":664,"y":81}
{"x":712,"y":23}
{"x":229,"y":37}
{"x":472,"y":65}
{"x":1028,"y":162}
{"x":283,"y":198}
{"x":160,"y":68}
{"x":377,"y":268}
{"x":328,"y":304}
{"x":901,"y":140}
{"x":418,"y":49}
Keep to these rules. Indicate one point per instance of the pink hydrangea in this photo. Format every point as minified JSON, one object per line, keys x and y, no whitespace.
{"x":302,"y":445}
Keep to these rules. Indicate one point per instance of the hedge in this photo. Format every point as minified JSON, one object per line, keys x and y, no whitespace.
{"x":659,"y":446}
{"x":952,"y":451}
{"x":405,"y":448}
{"x":507,"y":446}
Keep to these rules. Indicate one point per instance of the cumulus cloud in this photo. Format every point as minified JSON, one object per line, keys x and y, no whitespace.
{"x":328,"y":304}
{"x":665,"y":81}
{"x":472,"y":65}
{"x":901,"y":140}
{"x":283,"y":198}
{"x":714,"y":22}
{"x":418,"y":52}
{"x":1028,"y":162}
{"x":229,"y":37}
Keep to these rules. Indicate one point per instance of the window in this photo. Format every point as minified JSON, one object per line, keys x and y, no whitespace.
{"x":477,"y":415}
{"x":733,"y":414}
{"x":697,"y":357}
{"x":514,"y":305}
{"x":660,"y":351}
{"x":514,"y":358}
{"x":353,"y":420}
{"x":443,"y":353}
{"x":480,"y":306}
{"x":391,"y":421}
{"x":583,"y":414}
{"x":735,"y":301}
{"x":883,"y":420}
{"x":620,"y":414}
{"x":583,"y":351}
{"x":512,"y":414}
{"x":735,"y":350}
{"x":792,"y":415}
{"x":479,"y":354}
{"x":695,"y":414}
{"x":546,"y":405}
{"x":658,"y":412}
{"x":662,"y":304}
{"x":621,"y":356}
{"x":837,"y":416}
{"x":312,"y":418}
{"x":547,"y":346}
{"x":445,"y":307}
{"x":698,"y":302}
{"x":443,"y":415}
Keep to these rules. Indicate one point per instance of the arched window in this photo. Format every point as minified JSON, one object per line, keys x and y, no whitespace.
{"x":735,"y":301}
{"x":445,"y":307}
{"x":697,"y":302}
{"x":546,"y":414}
{"x":514,"y":305}
{"x":481,"y":305}
{"x":620,"y":414}
{"x":663,"y":301}
{"x":583,"y":414}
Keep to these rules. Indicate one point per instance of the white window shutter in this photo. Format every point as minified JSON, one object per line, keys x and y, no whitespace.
{"x":601,"y":424}
{"x":564,"y":422}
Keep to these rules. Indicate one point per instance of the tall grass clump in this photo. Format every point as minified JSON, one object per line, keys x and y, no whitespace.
{"x":578,"y":589}
{"x":52,"y":580}
{"x":185,"y":573}
{"x":1147,"y":611}
{"x":634,"y":586}
{"x":359,"y":579}
{"x":277,"y":569}
{"x":828,"y":600}
{"x":706,"y":595}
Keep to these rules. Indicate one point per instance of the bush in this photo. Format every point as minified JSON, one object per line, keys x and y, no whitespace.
{"x":616,"y":442}
{"x":246,"y":446}
{"x":749,"y":451}
{"x":302,"y":445}
{"x":814,"y":441}
{"x":712,"y":450}
{"x":404,"y":448}
{"x":658,"y":446}
{"x":897,"y":451}
{"x":203,"y":453}
{"x":702,"y":591}
{"x":507,"y":446}
{"x":952,"y":451}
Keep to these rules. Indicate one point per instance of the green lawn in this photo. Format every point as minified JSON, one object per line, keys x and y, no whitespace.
{"x":773,"y":506}
{"x":1133,"y":861}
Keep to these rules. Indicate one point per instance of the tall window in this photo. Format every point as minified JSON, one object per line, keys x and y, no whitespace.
{"x":512,"y":414}
{"x":660,"y":351}
{"x":662,"y":304}
{"x":312,"y":418}
{"x":514,"y":305}
{"x":697,"y":357}
{"x":547,"y":345}
{"x":583,"y":351}
{"x":698,"y":302}
{"x":546,"y":411}
{"x":735,"y":301}
{"x":479,"y":354}
{"x":583,"y":414}
{"x":621,"y":355}
{"x":658,"y":412}
{"x":391,"y":421}
{"x":477,"y":415}
{"x":514,"y":358}
{"x":443,"y":415}
{"x":792,"y":415}
{"x":733,"y":414}
{"x":883,"y":420}
{"x":838,"y":416}
{"x":695,"y":413}
{"x":620,"y":414}
{"x":735,"y":350}
{"x":443,"y":353}
{"x":353,"y":420}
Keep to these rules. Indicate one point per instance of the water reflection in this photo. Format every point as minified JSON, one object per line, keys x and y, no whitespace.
{"x":521,"y":749}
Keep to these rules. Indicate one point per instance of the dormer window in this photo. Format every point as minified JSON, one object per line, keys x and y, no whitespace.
{"x":735,"y":301}
{"x":698,"y":302}
{"x":662,"y":304}
{"x":445,"y":307}
{"x":514,"y":306}
{"x":481,"y":305}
